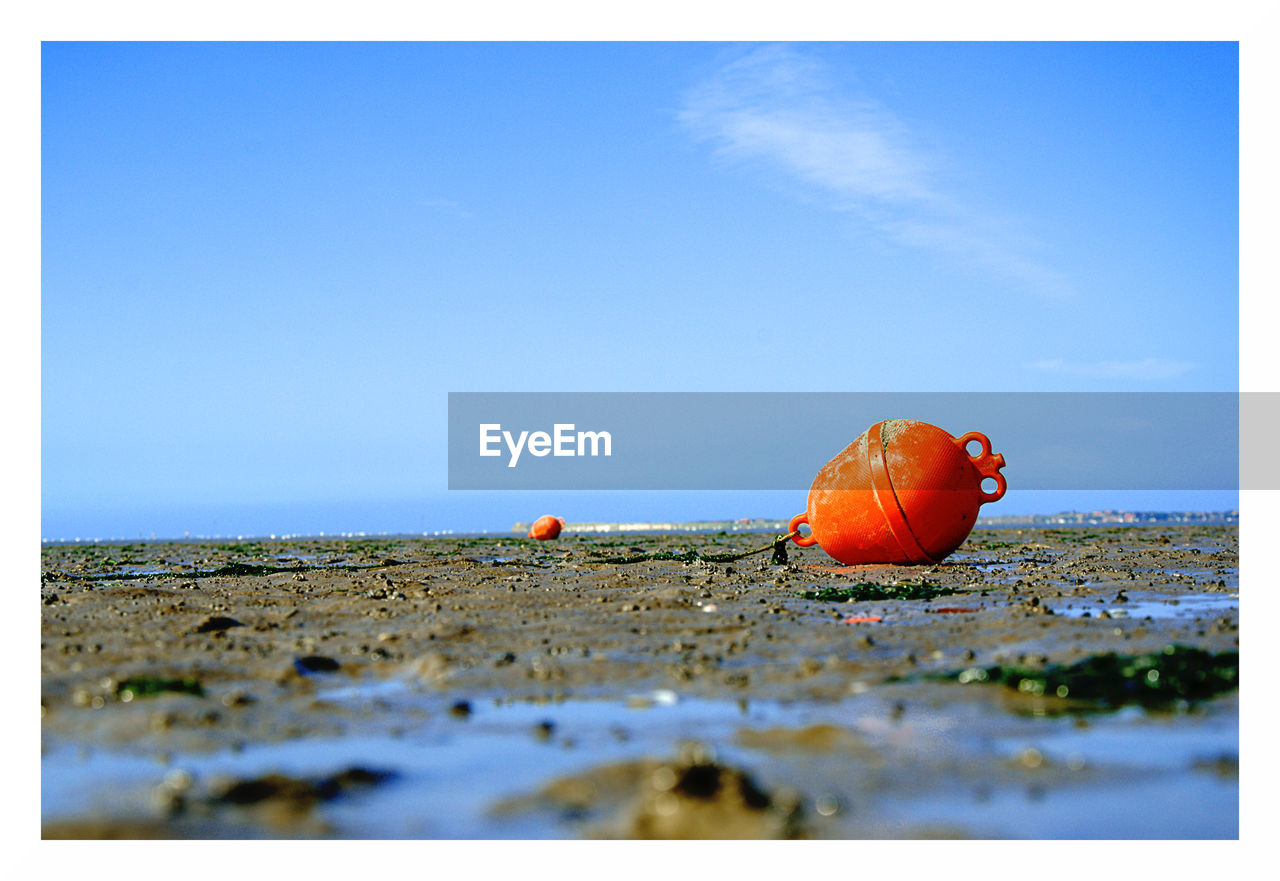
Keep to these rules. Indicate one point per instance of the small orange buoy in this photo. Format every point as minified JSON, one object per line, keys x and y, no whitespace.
{"x":904,"y":492}
{"x":546,"y":527}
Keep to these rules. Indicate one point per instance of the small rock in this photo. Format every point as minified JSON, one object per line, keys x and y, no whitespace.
{"x":237,"y":699}
{"x":217,"y":623}
{"x":316,"y":664}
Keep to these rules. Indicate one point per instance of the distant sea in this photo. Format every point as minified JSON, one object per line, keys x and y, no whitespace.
{"x":498,"y":512}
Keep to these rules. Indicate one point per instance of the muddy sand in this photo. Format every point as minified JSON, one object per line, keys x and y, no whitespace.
{"x":1072,"y":683}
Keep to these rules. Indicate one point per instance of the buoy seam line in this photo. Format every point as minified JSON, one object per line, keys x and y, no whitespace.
{"x":895,"y":516}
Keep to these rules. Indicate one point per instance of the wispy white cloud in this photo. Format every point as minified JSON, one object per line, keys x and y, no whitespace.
{"x":446,"y":205}
{"x":1139,"y":368}
{"x":777,"y":106}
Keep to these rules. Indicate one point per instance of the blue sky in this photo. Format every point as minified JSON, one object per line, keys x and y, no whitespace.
{"x":264,"y":266}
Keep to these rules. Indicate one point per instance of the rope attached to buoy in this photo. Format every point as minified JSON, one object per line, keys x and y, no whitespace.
{"x":778,"y":545}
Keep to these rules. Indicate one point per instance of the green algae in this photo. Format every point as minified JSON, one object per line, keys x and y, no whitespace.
{"x":867,"y":590}
{"x":228,"y":570}
{"x":150,"y":686}
{"x":1178,"y":673}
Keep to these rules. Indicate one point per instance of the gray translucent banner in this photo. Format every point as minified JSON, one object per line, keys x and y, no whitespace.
{"x":766,"y":441}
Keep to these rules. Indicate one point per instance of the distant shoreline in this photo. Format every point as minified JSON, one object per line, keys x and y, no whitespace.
{"x":1064,"y":518}
{"x":744,"y":525}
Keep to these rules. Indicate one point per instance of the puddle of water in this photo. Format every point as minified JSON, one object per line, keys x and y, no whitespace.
{"x":1140,"y":779}
{"x":1135,"y":739}
{"x":450,"y":770}
{"x":1185,"y":606}
{"x":1187,"y":806}
{"x":1149,"y":786}
{"x":1000,"y":573}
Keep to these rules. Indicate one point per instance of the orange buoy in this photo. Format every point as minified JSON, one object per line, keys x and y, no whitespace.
{"x":546,"y":527}
{"x":904,"y":492}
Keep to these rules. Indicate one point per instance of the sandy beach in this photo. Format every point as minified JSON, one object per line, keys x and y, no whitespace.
{"x":498,"y":687}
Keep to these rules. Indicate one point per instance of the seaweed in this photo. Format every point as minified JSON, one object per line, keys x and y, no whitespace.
{"x":1178,"y":673}
{"x":150,"y":686}
{"x":301,"y":792}
{"x":867,"y":590}
{"x":1079,"y":538}
{"x":228,"y":570}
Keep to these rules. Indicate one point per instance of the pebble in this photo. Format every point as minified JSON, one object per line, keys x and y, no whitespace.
{"x":827,"y":805}
{"x":316,"y":664}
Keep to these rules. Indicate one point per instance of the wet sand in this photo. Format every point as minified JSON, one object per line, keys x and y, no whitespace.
{"x":500,"y":687}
